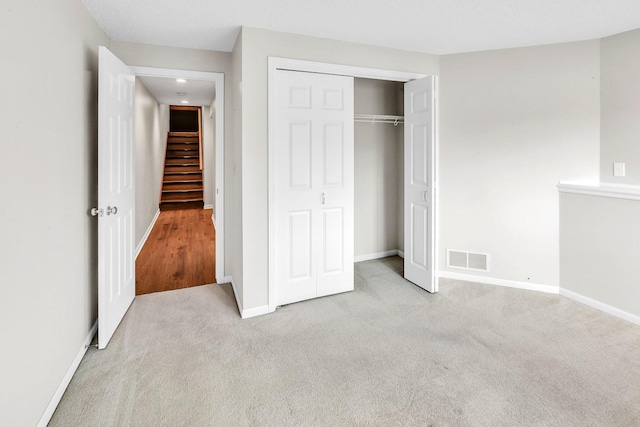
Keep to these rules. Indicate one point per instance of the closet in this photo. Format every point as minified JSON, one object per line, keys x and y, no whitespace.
{"x":379,"y":161}
{"x":337,"y":195}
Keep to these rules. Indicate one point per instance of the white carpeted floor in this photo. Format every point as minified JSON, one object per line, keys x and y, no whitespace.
{"x":386,"y":354}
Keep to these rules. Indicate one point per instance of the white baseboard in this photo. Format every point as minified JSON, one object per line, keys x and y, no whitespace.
{"x":500,"y":282}
{"x":207,"y":207}
{"x":213,"y":219}
{"x":377,"y":255}
{"x":57,"y":396}
{"x":147,"y":233}
{"x":601,"y":306}
{"x":400,"y":254}
{"x":256,"y":311}
{"x":245,"y":314}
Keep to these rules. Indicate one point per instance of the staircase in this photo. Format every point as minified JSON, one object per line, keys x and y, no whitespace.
{"x":182,"y":182}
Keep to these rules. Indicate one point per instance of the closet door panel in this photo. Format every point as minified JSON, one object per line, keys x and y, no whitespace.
{"x":337,"y":159}
{"x":313,"y":175}
{"x":419,"y":190}
{"x":333,"y":145}
{"x":300,"y":155}
{"x":296,"y":255}
{"x":333,"y":244}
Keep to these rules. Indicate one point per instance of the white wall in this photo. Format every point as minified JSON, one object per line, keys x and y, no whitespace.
{"x":621,"y":106}
{"x":233,"y":175}
{"x":377,"y":175}
{"x":48,"y":240}
{"x":209,"y":156}
{"x":152,"y":125}
{"x":599,"y":236}
{"x":512,"y":124}
{"x":257,"y":46}
{"x":599,"y":249}
{"x":145,"y":55}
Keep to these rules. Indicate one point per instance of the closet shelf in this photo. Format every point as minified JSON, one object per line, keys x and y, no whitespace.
{"x":378,"y":118}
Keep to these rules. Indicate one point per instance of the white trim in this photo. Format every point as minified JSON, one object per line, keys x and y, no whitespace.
{"x":207,"y":207}
{"x":601,"y":306}
{"x":499,"y":282}
{"x":57,"y":396}
{"x":256,"y":311}
{"x":436,"y":182}
{"x":173,"y":73}
{"x":218,"y":79}
{"x":147,"y":233}
{"x":602,"y":189}
{"x":377,"y":255}
{"x":251,"y":312}
{"x":275,"y":63}
{"x":213,"y":220}
{"x":342,"y":70}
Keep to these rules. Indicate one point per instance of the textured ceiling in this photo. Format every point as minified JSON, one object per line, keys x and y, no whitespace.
{"x":170,"y":92}
{"x":431,"y":26}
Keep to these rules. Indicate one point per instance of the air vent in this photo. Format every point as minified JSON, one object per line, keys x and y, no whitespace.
{"x":467,"y":260}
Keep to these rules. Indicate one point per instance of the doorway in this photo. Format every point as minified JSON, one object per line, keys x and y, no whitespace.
{"x":213,"y":177}
{"x":179,"y":252}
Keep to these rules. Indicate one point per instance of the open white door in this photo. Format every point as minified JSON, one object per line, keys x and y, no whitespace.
{"x":116,"y":193}
{"x":419,"y":177}
{"x":313,"y":176}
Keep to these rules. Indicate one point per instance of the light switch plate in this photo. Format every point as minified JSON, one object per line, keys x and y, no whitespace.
{"x":619,"y":169}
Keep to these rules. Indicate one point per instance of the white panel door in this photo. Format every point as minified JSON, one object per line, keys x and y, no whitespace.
{"x":313,"y":184}
{"x":419,"y":176}
{"x":116,"y":193}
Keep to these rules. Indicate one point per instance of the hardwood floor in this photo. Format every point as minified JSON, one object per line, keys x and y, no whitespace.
{"x":179,"y":253}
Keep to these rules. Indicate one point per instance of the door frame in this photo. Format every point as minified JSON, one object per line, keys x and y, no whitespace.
{"x":276,"y":63}
{"x":219,"y":102}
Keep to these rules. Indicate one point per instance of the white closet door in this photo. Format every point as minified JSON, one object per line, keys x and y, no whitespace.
{"x":419,"y":173}
{"x":313,"y":185}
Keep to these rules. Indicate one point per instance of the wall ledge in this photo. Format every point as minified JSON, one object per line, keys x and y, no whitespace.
{"x":602,"y":189}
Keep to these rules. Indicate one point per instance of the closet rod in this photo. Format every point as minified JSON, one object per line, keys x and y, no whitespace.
{"x":378,"y":118}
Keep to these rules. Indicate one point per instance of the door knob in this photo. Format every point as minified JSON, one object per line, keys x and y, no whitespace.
{"x":97,"y":212}
{"x":112,"y":210}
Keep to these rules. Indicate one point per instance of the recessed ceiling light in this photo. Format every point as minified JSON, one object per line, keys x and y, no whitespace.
{"x":184,"y":101}
{"x":181,"y":80}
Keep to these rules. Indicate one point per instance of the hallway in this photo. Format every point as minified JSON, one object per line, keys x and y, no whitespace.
{"x":179,"y":253}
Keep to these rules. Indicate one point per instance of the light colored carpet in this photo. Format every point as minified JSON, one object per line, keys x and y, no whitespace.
{"x":386,"y":354}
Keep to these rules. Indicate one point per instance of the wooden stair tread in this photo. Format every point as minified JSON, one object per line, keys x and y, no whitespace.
{"x":182,"y":156}
{"x":181,"y":168}
{"x":178,"y":197}
{"x":194,"y":133}
{"x":178,"y":178}
{"x":182,"y":187}
{"x":182,"y":151}
{"x":182,"y":161}
{"x":182,"y":140}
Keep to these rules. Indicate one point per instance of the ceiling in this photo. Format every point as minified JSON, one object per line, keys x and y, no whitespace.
{"x":430,"y":26}
{"x":171,"y":92}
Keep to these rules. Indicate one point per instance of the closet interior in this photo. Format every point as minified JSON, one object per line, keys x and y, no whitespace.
{"x":379,"y":168}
